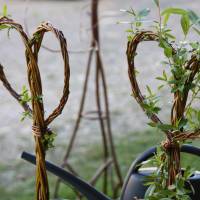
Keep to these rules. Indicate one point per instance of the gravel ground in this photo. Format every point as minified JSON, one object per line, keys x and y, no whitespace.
{"x":72,"y":17}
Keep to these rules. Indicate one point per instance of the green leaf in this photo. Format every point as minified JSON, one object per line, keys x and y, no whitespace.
{"x":167,"y":48}
{"x":196,"y":30}
{"x":160,"y":78}
{"x":168,"y":52}
{"x":194,"y":45}
{"x":160,"y":87}
{"x":130,"y":37}
{"x":157,"y":2}
{"x":170,"y":36}
{"x":150,"y":191}
{"x":165,"y":127}
{"x":129,"y":31}
{"x":156,"y":109}
{"x":177,"y":11}
{"x":164,"y":75}
{"x":5,"y":10}
{"x":181,"y":88}
{"x":144,"y":12}
{"x":165,"y":63}
{"x":163,"y":78}
{"x":194,"y":18}
{"x":149,"y":90}
{"x":25,"y":114}
{"x":166,"y":18}
{"x":152,"y":124}
{"x":198,"y":116}
{"x":131,"y":12}
{"x":3,"y":26}
{"x":182,"y":123}
{"x":174,"y":89}
{"x":185,"y":24}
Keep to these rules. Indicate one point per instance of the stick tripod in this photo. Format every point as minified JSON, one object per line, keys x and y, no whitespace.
{"x":100,"y":114}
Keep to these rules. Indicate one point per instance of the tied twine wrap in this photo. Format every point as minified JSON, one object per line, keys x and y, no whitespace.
{"x":36,"y":131}
{"x":40,"y":124}
{"x":174,"y":138}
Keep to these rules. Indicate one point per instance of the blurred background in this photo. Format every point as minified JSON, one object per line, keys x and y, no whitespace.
{"x":130,"y":132}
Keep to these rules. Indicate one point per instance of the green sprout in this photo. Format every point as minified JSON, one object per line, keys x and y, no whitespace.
{"x":48,"y":140}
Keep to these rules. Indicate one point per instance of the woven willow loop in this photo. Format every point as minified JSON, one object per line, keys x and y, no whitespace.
{"x":171,"y":144}
{"x":13,"y":25}
{"x":36,"y":44}
{"x":179,"y":104}
{"x":131,"y":52}
{"x":9,"y":23}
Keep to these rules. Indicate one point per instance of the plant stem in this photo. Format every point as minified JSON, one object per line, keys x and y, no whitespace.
{"x":160,"y":18}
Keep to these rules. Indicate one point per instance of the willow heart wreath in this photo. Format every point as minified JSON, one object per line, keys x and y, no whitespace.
{"x":183,"y":61}
{"x":40,"y":128}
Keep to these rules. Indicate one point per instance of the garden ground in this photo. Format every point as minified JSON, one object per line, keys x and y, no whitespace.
{"x":19,"y":179}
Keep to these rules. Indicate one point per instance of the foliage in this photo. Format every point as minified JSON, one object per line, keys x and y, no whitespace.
{"x":157,"y":181}
{"x":139,"y":19}
{"x":4,"y":13}
{"x":150,"y":102}
{"x":178,"y":54}
{"x":48,"y":140}
{"x":25,"y":98}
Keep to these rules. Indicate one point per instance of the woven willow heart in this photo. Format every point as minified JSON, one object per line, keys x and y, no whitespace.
{"x":42,"y":133}
{"x":179,"y":102}
{"x":172,"y":143}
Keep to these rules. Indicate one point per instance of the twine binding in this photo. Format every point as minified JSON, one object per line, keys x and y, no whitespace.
{"x":36,"y":131}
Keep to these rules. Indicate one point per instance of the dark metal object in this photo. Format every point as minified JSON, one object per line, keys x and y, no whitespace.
{"x":133,"y":185}
{"x":134,"y":182}
{"x":90,"y":192}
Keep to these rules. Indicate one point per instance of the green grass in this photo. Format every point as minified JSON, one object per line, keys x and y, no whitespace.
{"x":128,"y":147}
